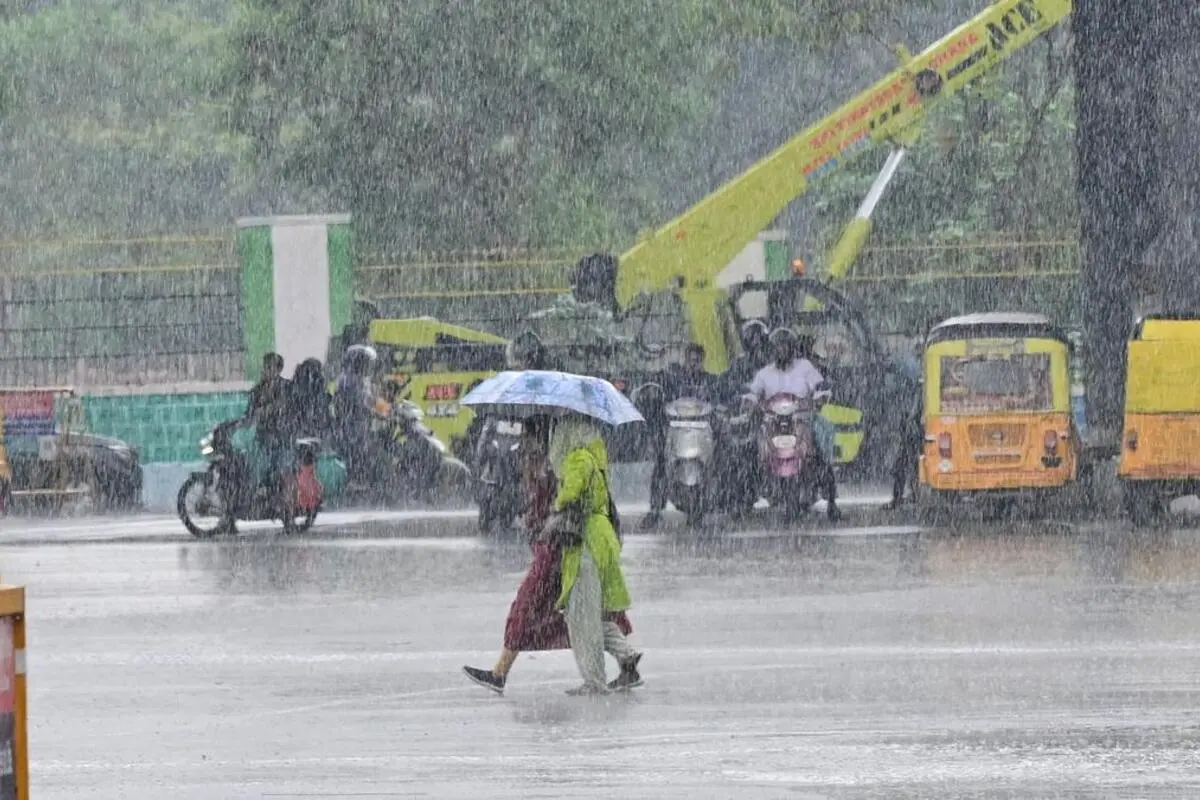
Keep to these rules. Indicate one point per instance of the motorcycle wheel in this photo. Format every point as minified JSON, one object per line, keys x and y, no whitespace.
{"x":797,"y":504}
{"x":187,"y":511}
{"x":487,"y":515}
{"x":691,"y":503}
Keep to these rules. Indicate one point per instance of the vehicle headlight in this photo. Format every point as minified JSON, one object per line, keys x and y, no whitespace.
{"x":206,"y":446}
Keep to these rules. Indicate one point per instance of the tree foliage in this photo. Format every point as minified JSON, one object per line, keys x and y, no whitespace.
{"x":470,"y":123}
{"x":996,"y":160}
{"x":457,"y":125}
{"x":109,"y":123}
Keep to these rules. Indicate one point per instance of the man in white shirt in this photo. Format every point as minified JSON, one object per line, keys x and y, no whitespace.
{"x":792,"y":373}
{"x":795,"y":376}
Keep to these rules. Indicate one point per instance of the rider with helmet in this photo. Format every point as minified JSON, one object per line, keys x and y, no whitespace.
{"x":682,"y":380}
{"x":353,"y":406}
{"x":754,"y":356}
{"x":526,"y":351}
{"x":792,"y":372}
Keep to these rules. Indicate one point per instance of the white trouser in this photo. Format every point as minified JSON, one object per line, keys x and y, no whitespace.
{"x":585,"y":623}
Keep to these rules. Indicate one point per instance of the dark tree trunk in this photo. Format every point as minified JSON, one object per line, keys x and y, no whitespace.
{"x":1115,"y":54}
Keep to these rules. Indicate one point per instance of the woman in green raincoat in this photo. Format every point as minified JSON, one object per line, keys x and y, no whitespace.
{"x":593,"y":586}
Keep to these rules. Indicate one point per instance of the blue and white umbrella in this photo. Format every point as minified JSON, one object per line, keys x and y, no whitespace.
{"x":532,"y":392}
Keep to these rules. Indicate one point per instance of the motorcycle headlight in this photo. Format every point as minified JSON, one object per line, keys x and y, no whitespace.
{"x":206,"y":446}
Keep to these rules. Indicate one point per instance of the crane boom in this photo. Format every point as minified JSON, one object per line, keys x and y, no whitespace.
{"x":698,"y":244}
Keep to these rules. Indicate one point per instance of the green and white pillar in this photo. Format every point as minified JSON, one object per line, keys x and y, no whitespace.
{"x":297,"y":286}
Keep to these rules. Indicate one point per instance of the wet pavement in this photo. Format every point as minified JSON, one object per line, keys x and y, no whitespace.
{"x":862,"y":661}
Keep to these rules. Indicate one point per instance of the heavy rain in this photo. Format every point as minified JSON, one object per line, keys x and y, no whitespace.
{"x":684,"y":399}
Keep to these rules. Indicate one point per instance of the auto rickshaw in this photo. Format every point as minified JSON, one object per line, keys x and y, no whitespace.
{"x":997,"y":411}
{"x":1160,"y":443}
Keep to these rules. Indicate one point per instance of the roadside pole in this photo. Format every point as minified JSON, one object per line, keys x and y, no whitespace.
{"x":14,"y":742}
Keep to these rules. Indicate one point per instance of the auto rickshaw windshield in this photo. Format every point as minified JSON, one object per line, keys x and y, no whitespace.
{"x":984,"y":376}
{"x":979,"y":384}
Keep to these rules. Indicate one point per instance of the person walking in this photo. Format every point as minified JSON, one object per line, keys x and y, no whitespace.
{"x":593,"y":585}
{"x":534,"y":623}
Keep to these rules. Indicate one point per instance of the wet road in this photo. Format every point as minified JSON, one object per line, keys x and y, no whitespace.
{"x":858,"y":662}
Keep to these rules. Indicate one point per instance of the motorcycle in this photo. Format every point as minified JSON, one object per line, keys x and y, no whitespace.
{"x":417,"y":466}
{"x":690,"y":447}
{"x":228,"y":491}
{"x":787,"y":454}
{"x":742,"y":486}
{"x":497,"y":471}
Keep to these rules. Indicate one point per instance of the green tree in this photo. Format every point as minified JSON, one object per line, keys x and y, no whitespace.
{"x":110,"y":127}
{"x":996,"y":161}
{"x":500,"y":121}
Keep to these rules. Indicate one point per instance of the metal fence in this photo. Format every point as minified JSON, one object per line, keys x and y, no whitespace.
{"x":487,"y":290}
{"x":909,"y":287}
{"x":164,"y":310}
{"x":905,"y":286}
{"x":120,"y":312}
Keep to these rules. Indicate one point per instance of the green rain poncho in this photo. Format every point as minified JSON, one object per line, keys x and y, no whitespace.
{"x":580,"y":460}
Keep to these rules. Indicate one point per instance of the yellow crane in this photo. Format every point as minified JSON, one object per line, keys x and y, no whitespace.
{"x":688,"y":252}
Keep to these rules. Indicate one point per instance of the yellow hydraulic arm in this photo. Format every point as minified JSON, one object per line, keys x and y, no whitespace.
{"x":699,"y":244}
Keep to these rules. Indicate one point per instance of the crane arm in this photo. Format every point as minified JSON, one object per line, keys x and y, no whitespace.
{"x":697,"y":245}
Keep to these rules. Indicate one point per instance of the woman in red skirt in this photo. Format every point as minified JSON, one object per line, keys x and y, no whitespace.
{"x":534,"y":623}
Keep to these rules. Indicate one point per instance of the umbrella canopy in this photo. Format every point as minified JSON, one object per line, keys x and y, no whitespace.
{"x":532,"y":392}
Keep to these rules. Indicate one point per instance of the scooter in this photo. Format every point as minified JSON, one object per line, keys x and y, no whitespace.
{"x":787,"y":454}
{"x":497,"y":469}
{"x":210,"y":503}
{"x":690,"y":444}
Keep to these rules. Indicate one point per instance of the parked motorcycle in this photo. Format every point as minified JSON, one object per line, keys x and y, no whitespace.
{"x":210,"y":503}
{"x":690,"y":446}
{"x":497,"y":469}
{"x":787,"y":454}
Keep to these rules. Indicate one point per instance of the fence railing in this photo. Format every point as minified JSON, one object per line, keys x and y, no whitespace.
{"x":105,"y":312}
{"x":908,"y":287}
{"x":115,"y":312}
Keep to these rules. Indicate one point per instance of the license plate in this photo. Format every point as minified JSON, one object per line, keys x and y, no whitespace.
{"x":505,"y":428}
{"x":690,"y":424}
{"x":784,"y":442}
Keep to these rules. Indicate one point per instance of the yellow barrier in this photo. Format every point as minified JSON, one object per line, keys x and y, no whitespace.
{"x":14,"y":731}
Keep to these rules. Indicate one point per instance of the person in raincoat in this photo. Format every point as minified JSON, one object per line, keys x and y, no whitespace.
{"x":534,"y":622}
{"x":593,"y":586}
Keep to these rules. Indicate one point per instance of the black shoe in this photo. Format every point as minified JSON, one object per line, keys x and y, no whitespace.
{"x":833,"y":512}
{"x":650,"y":521}
{"x":629,"y":677}
{"x":486,"y":678}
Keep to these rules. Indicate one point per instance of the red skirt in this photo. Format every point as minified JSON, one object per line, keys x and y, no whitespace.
{"x":533,"y":621}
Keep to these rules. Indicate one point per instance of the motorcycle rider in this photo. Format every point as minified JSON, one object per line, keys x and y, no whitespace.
{"x":311,"y":400}
{"x":353,"y":409}
{"x":686,"y":380}
{"x":524,"y":351}
{"x":755,"y":355}
{"x":792,"y":373}
{"x":269,"y":411}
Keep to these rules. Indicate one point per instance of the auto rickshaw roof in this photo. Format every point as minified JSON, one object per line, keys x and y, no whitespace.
{"x":997,"y":325}
{"x":1178,"y":326}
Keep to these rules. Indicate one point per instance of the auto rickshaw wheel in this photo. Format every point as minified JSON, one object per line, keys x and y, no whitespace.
{"x":931,"y":509}
{"x":1145,"y":503}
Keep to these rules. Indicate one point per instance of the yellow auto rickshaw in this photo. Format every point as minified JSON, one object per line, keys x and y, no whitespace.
{"x":1160,"y":443}
{"x":997,"y":410}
